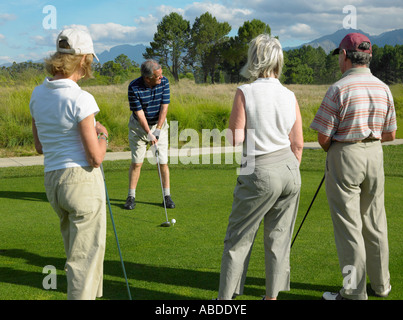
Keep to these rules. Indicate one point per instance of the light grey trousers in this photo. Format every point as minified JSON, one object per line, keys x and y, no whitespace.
{"x":271,"y":193}
{"x":355,"y":191}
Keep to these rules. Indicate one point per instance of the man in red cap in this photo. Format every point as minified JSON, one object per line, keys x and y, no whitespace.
{"x":357,"y":114}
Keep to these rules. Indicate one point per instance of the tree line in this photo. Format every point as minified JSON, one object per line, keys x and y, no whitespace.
{"x":204,"y":52}
{"x":117,"y":71}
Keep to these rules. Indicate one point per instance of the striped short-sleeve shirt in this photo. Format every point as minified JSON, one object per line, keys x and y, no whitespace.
{"x":148,"y":99}
{"x":357,"y":107}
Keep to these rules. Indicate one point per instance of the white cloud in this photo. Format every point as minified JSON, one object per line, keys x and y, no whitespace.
{"x":322,"y":16}
{"x":23,"y":57}
{"x":5,"y":17}
{"x":147,"y":26}
{"x":41,"y":41}
{"x":235,"y":16}
{"x":111,"y":34}
{"x":295,"y":20}
{"x":6,"y":59}
{"x":301,"y":29}
{"x":164,"y":10}
{"x":376,"y":20}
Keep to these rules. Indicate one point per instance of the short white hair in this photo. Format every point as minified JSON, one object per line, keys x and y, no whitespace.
{"x":265,"y":56}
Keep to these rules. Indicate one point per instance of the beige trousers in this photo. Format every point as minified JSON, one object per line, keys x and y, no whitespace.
{"x":355,"y":191}
{"x":78,"y":197}
{"x":270,"y":193}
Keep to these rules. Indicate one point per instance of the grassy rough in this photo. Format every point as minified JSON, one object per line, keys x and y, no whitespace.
{"x":194,"y":107}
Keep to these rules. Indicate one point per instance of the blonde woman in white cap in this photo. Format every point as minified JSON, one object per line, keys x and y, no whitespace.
{"x":74,"y":146}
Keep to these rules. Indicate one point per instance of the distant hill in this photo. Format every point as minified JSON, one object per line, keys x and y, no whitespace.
{"x":332,"y":41}
{"x":328,"y":43}
{"x":391,"y":38}
{"x":134,"y":53}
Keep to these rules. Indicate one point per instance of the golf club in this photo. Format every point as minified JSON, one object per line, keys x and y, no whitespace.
{"x":116,"y":235}
{"x":166,"y":223}
{"x":314,"y":197}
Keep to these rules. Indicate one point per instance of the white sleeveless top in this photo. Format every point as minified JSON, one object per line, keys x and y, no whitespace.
{"x":270,"y":116}
{"x":57,"y":107}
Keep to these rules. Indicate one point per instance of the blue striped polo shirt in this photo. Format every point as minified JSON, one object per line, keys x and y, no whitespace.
{"x":148,"y":99}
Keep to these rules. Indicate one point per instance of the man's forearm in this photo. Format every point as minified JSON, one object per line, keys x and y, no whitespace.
{"x":162,"y":116}
{"x":324,"y":141}
{"x":388,"y":136}
{"x":142,"y":120}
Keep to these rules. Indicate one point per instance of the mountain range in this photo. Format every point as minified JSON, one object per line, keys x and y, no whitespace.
{"x":332,"y":41}
{"x":133,"y":52}
{"x":328,"y":43}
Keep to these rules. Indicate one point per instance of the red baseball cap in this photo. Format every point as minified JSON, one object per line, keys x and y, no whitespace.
{"x":352,"y":42}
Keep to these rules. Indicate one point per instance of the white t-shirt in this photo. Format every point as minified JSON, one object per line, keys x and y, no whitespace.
{"x":270,"y":113}
{"x":57,"y":107}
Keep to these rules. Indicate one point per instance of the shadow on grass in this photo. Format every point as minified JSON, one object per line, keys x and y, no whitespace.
{"x":120,"y":203}
{"x":116,"y":290}
{"x":41,"y":196}
{"x":20,"y":195}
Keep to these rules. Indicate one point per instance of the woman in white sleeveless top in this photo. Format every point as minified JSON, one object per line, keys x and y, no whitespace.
{"x":74,"y":146}
{"x":266,"y":119}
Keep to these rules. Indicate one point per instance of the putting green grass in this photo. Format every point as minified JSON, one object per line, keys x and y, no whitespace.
{"x":183,"y":261}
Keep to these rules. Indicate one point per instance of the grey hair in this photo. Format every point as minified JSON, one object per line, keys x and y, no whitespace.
{"x":265,"y":56}
{"x":360,"y":58}
{"x":148,"y":67}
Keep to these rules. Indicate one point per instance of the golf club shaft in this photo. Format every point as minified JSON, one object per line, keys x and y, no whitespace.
{"x":116,"y":235}
{"x":306,"y":214}
{"x":162,"y":187}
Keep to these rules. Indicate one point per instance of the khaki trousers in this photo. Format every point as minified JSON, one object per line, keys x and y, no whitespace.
{"x":270,"y":193}
{"x":355,"y":192}
{"x":78,"y":197}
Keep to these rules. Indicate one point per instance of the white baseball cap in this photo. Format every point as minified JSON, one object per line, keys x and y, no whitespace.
{"x":80,"y":42}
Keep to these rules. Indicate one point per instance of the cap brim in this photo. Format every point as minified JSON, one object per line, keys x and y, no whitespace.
{"x":336,"y":51}
{"x":63,"y":50}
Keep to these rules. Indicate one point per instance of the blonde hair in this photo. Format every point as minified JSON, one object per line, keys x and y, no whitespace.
{"x":67,"y":64}
{"x":265,"y":56}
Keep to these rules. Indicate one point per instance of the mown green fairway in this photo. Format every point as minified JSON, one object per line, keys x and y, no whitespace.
{"x":181,"y":262}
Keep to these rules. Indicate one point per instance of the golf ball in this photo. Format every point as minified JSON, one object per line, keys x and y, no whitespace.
{"x":173,"y":221}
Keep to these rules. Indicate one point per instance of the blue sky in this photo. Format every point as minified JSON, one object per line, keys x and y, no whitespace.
{"x":23,"y":36}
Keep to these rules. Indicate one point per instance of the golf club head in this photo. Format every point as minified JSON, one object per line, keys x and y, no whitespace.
{"x":166,"y":224}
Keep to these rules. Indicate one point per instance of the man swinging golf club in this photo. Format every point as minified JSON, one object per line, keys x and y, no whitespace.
{"x":149,"y":97}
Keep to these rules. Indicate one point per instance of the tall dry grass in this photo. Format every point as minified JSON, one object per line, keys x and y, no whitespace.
{"x":193,"y":106}
{"x":309,"y":98}
{"x":15,"y":121}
